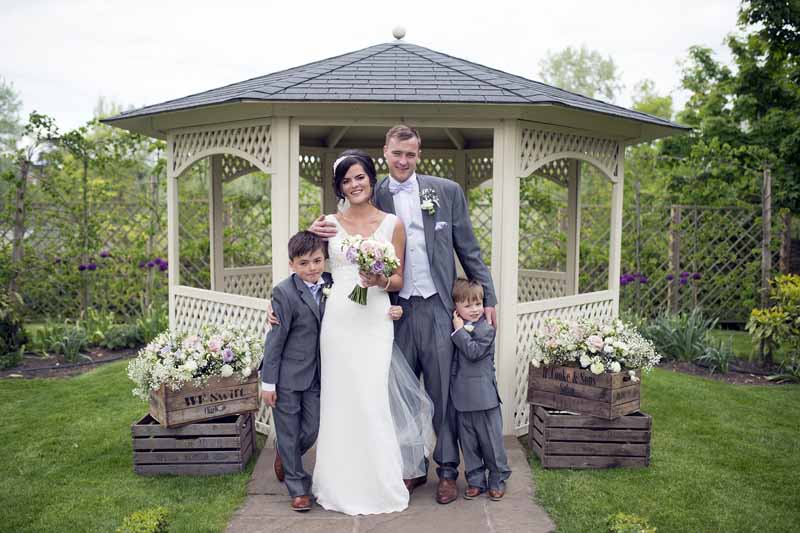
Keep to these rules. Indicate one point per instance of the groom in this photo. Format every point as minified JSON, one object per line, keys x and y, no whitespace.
{"x":434,"y":212}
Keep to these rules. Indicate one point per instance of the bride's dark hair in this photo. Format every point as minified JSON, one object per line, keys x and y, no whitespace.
{"x":347,"y":159}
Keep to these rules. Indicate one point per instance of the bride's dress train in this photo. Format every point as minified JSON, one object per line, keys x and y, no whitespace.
{"x":375,"y":419}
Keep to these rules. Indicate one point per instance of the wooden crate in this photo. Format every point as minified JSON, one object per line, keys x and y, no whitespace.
{"x":220,"y":446}
{"x":219,"y":397}
{"x":564,"y":388}
{"x":563,"y":440}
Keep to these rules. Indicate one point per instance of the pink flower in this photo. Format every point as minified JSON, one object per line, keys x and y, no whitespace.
{"x":595,"y":343}
{"x":214,"y":344}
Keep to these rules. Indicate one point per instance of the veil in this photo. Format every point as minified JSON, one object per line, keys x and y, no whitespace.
{"x":412,"y":413}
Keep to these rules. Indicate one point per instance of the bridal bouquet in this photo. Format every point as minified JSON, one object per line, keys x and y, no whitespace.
{"x":597,"y":346}
{"x":372,"y":257}
{"x":174,"y":359}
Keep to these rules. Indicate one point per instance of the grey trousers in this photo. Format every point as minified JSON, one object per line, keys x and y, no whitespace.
{"x":423,"y":334}
{"x":481,"y":437}
{"x":296,"y":416}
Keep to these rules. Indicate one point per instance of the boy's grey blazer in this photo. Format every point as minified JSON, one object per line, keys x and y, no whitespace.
{"x":291,"y":351}
{"x":448,"y":229}
{"x":473,"y":386}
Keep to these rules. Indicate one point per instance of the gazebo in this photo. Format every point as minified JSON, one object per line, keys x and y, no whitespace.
{"x":480,"y":127}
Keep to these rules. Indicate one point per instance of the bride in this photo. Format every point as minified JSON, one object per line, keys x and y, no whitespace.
{"x":375,"y":419}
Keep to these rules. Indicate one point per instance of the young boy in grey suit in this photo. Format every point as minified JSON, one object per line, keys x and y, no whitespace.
{"x":290,"y":371}
{"x":473,"y":389}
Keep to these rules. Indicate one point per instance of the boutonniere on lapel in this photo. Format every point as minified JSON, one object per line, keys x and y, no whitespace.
{"x":469,"y":328}
{"x":429,"y":201}
{"x":326,"y":289}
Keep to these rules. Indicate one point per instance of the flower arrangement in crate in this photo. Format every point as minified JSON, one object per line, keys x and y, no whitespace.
{"x":193,"y":377}
{"x":589,"y":366}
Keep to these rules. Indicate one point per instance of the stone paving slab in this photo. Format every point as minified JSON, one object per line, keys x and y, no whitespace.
{"x":266,"y":508}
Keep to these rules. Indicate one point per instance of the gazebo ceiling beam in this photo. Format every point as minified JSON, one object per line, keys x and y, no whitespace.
{"x":335,"y":136}
{"x":456,"y":137}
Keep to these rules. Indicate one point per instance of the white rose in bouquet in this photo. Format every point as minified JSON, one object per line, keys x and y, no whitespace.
{"x":615,"y":366}
{"x":597,"y":368}
{"x":226,"y":371}
{"x":585,"y":361}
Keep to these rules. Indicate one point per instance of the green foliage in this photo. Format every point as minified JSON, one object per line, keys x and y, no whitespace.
{"x":122,"y":336}
{"x":62,"y":339}
{"x":12,"y":335}
{"x":153,"y":320}
{"x":628,"y":523}
{"x":682,"y":336}
{"x":718,"y":356}
{"x":148,"y":521}
{"x":778,"y":326}
{"x":647,"y":100}
{"x":10,"y":126}
{"x":582,"y":71}
{"x":96,"y":323}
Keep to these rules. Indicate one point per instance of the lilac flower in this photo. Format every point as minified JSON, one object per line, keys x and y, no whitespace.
{"x":696,"y":275}
{"x":105,"y":253}
{"x":163,"y":266}
{"x":670,"y":277}
{"x":377,"y":268}
{"x":81,"y":267}
{"x":227,"y":355}
{"x":91,"y":266}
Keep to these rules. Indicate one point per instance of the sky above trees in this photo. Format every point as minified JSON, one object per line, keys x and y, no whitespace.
{"x":63,"y":56}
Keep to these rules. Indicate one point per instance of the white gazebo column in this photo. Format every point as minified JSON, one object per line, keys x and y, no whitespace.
{"x":173,"y":245}
{"x":285,"y":184}
{"x":573,"y":225}
{"x":615,"y":244}
{"x":505,"y":243}
{"x":216,"y":228}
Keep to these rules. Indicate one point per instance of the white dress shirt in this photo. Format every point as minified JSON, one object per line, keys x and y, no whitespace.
{"x":417,"y":279}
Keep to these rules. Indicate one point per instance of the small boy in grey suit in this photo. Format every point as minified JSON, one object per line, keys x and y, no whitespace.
{"x":473,"y":389}
{"x":290,"y":369}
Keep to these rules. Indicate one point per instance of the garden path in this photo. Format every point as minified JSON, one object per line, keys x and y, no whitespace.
{"x":267,"y":506}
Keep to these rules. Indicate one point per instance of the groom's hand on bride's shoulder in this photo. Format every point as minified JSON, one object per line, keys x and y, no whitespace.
{"x":323,"y":228}
{"x":491,"y":316}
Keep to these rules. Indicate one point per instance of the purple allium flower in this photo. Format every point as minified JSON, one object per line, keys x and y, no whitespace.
{"x":142,"y":263}
{"x":684,"y":281}
{"x":377,"y":268}
{"x":670,"y":277}
{"x":81,"y":267}
{"x":684,"y":274}
{"x":150,"y":264}
{"x":163,"y":266}
{"x":57,"y":260}
{"x":696,"y":275}
{"x":157,"y":260}
{"x":105,"y":253}
{"x":91,"y":266}
{"x":643,"y":279}
{"x":227,"y":355}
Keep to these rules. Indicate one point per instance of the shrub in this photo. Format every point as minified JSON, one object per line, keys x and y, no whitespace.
{"x":147,"y":521}
{"x":12,"y":336}
{"x":682,"y":336}
{"x":628,"y":523}
{"x":778,"y":327}
{"x":122,"y":336}
{"x":65,"y":339}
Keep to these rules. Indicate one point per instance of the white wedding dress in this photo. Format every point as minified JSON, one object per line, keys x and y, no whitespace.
{"x":375,"y":419}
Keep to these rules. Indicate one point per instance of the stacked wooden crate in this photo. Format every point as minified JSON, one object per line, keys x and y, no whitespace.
{"x":582,"y":420}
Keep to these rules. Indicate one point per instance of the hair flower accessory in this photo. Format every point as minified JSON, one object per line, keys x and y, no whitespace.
{"x":429,"y":201}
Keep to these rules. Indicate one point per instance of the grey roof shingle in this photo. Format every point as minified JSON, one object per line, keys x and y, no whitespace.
{"x":394,"y":72}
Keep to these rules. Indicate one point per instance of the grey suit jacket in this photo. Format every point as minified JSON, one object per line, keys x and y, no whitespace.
{"x":473,"y":386}
{"x":291,"y":350}
{"x":454,"y":233}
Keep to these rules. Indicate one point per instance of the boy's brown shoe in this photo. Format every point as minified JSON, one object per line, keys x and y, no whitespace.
{"x":496,"y":495}
{"x":472,"y":492}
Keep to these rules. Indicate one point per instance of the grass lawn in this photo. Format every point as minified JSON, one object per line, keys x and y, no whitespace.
{"x":66,"y":461}
{"x":724,"y":458}
{"x":739,"y":342}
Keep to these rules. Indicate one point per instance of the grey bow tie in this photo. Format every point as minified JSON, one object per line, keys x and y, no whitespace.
{"x":396,"y":187}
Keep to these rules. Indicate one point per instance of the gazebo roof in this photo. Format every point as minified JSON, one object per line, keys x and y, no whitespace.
{"x":396,"y":72}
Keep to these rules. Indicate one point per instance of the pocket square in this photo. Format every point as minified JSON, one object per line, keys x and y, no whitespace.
{"x":440,"y":226}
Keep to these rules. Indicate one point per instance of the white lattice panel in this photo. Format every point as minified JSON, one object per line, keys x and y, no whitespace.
{"x":598,"y":305}
{"x":540,"y":146}
{"x":249,"y":281}
{"x":556,"y":171}
{"x":195,"y":308}
{"x":534,"y":285}
{"x":311,"y":168}
{"x":234,"y":167}
{"x":443,"y":167}
{"x":479,"y":169}
{"x":253,"y":141}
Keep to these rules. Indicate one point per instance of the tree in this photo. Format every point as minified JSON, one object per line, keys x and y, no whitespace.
{"x":582,"y":71}
{"x":10,"y":127}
